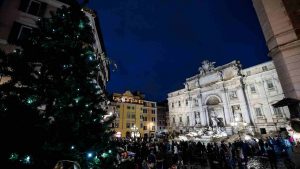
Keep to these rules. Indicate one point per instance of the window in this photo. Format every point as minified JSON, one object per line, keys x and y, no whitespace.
{"x":196,"y":102}
{"x":141,"y":116}
{"x":153,"y":127}
{"x":132,"y":125}
{"x":142,"y":125}
{"x":128,"y":115}
{"x":145,"y":111}
{"x":264,"y":68}
{"x":133,"y":115}
{"x":258,"y":112}
{"x":277,"y":111}
{"x":34,"y":7}
{"x":24,"y":33}
{"x":132,"y":108}
{"x":152,"y":104}
{"x":145,"y":127}
{"x":282,"y":129}
{"x":270,"y":85}
{"x":179,"y":104}
{"x":252,"y":88}
{"x":180,"y":119}
{"x":188,"y":120}
{"x":195,"y":113}
{"x":153,"y":119}
{"x":233,"y":95}
{"x":172,"y":105}
{"x":128,"y":125}
{"x":153,"y":111}
{"x":118,"y":106}
{"x":186,"y":102}
{"x":173,"y":119}
{"x":145,"y":118}
{"x":263,"y":131}
{"x":248,"y":73}
{"x":128,"y":107}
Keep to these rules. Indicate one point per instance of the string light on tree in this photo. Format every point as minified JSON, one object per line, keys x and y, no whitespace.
{"x":69,"y":89}
{"x":14,"y":157}
{"x":27,"y":159}
{"x":89,"y":155}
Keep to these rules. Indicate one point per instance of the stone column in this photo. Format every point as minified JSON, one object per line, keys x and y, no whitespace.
{"x":202,"y":111}
{"x":226,"y":109}
{"x":243,"y":105}
{"x":206,"y":115}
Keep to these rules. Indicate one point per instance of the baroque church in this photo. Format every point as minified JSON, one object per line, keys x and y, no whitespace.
{"x":230,"y":98}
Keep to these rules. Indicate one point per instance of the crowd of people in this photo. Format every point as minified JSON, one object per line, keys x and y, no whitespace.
{"x":166,"y":154}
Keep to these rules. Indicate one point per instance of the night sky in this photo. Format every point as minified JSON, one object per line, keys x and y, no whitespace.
{"x":157,"y":44}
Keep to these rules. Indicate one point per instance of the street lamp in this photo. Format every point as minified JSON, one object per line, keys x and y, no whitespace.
{"x":134,"y":132}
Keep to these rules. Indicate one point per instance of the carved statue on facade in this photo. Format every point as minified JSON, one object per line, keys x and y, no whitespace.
{"x":206,"y":67}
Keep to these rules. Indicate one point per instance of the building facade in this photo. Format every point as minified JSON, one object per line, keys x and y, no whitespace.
{"x":280,"y":23}
{"x":162,"y":117}
{"x":136,"y":117}
{"x":18,"y":18}
{"x":226,"y":95}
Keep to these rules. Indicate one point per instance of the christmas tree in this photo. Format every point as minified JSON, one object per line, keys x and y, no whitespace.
{"x":53,"y":106}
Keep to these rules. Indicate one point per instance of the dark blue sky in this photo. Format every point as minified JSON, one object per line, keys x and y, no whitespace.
{"x":157,"y":44}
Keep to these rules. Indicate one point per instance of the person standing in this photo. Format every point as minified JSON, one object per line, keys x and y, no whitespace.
{"x":271,"y":155}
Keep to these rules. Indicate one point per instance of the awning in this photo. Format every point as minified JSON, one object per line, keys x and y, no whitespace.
{"x":286,"y":102}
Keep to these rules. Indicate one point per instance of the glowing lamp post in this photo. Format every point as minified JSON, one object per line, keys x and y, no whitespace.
{"x":134,"y":132}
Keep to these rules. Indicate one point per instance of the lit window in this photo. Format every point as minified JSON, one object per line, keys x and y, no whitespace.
{"x":153,"y":127}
